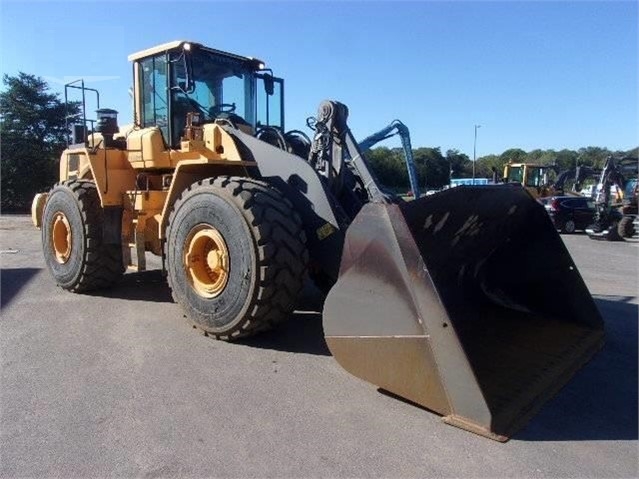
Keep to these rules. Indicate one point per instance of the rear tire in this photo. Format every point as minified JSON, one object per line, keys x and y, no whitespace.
{"x":625,"y":227}
{"x":236,"y":256}
{"x":569,"y":227}
{"x":613,"y":232}
{"x":72,"y":239}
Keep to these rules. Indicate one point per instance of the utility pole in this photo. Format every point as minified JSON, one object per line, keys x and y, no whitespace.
{"x":475,"y":151}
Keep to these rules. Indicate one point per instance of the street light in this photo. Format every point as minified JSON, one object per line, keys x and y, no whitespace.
{"x":450,"y":172}
{"x":475,"y":151}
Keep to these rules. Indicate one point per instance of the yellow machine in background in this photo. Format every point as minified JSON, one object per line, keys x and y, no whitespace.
{"x":531,"y":176}
{"x":423,"y":299}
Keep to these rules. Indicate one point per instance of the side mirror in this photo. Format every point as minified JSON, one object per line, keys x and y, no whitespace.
{"x":189,"y":86}
{"x":269,"y":85}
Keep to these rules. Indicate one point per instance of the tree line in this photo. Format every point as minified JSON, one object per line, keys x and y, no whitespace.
{"x":434,"y":168}
{"x":33,"y":135}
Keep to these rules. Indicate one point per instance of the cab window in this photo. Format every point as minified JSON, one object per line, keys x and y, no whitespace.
{"x":269,"y":107}
{"x":218,"y":87}
{"x":515,"y":174}
{"x":534,"y":177}
{"x":154,"y":93}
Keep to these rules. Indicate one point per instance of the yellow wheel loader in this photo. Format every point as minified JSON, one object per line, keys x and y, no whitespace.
{"x":532,"y":177}
{"x":447,"y":301}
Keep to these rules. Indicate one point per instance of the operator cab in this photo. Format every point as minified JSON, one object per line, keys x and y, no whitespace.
{"x":180,"y":78}
{"x":528,"y":175}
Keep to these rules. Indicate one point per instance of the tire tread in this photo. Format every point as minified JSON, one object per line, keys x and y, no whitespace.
{"x":280,"y":246}
{"x":102,"y":264}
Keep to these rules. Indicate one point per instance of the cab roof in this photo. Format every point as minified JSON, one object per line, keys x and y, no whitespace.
{"x":165,"y":47}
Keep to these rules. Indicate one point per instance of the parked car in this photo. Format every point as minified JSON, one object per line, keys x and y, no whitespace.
{"x":570,"y":213}
{"x":545,"y":201}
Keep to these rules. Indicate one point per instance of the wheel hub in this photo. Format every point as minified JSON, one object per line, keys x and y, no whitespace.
{"x":61,"y":237}
{"x":206,"y":261}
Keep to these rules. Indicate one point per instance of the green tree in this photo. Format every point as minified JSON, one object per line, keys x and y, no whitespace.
{"x":566,"y":159}
{"x":541,"y":157}
{"x":593,"y":156}
{"x":432,"y":167}
{"x":390,"y":167}
{"x":459,"y":164}
{"x":516,"y":155}
{"x":634,"y":153}
{"x":489,"y":164}
{"x":32,"y":134}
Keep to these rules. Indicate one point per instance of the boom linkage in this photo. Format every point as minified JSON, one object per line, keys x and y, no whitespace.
{"x":337,"y":157}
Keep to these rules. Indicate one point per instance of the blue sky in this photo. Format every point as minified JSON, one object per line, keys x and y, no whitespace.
{"x":533,"y":74}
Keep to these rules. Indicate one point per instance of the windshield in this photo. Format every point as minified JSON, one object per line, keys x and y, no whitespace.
{"x":515,"y":174}
{"x":219,"y":86}
{"x":535,"y":176}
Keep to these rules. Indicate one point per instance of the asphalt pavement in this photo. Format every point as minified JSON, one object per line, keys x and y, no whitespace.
{"x":117,"y":384}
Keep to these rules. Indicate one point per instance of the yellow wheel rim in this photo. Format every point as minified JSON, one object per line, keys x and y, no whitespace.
{"x":61,"y":238}
{"x":206,"y":261}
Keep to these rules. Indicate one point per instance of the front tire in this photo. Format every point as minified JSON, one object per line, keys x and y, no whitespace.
{"x":569,"y":227}
{"x":236,"y":256}
{"x":72,"y":239}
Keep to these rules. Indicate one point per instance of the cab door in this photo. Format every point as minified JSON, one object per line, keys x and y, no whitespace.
{"x":154,"y":88}
{"x":270,"y":101}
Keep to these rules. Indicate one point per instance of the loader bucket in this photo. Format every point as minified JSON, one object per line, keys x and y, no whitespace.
{"x":465,"y":302}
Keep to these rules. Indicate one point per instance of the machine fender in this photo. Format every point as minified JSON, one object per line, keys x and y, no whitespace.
{"x":37,"y":208}
{"x":300,"y":183}
{"x":188,"y":172}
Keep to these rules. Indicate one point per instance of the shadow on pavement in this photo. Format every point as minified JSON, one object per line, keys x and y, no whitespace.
{"x":12,"y":281}
{"x":139,"y":286}
{"x":600,"y":402}
{"x":302,"y":333}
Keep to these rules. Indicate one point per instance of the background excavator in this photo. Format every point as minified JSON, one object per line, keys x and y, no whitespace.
{"x":396,"y":127}
{"x":535,"y":178}
{"x":616,"y":215}
{"x":423,"y":299}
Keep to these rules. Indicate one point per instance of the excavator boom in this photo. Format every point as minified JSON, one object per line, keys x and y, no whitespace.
{"x":396,"y":127}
